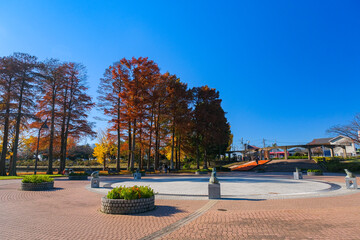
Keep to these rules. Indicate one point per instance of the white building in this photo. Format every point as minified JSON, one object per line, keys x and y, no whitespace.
{"x":347,"y":148}
{"x":350,"y":149}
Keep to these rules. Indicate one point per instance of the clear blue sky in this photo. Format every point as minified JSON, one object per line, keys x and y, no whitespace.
{"x":286,"y":70}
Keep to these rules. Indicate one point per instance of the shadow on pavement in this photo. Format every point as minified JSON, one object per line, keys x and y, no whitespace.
{"x":162,"y":211}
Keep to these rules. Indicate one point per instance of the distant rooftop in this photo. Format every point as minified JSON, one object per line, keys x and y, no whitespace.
{"x":317,"y":141}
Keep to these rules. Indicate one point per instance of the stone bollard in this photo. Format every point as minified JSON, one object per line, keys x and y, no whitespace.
{"x":350,"y":180}
{"x":214,"y":186}
{"x":351,"y":183}
{"x":214,"y":191}
{"x":95,"y":180}
{"x":297,"y":174}
{"x":137,"y":175}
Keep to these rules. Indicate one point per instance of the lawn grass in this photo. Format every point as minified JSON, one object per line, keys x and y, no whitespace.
{"x":22,"y":175}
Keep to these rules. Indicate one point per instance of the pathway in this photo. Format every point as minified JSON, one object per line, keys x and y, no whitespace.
{"x":72,"y":212}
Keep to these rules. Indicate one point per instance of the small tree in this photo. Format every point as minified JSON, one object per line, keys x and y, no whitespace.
{"x":350,"y":130}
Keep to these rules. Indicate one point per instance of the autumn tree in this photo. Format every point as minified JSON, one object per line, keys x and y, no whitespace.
{"x":105,"y":148}
{"x":8,"y":69}
{"x":124,"y":98}
{"x":26,"y":90}
{"x":211,"y":128}
{"x":178,"y":112}
{"x":111,"y":103}
{"x":75,"y":104}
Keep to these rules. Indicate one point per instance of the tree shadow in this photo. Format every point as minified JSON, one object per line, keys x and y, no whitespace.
{"x":243,"y":199}
{"x":161,"y":211}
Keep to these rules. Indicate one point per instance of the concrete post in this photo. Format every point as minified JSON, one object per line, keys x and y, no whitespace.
{"x":309,"y":153}
{"x":345,"y":154}
{"x":285,"y":153}
{"x":332,"y":152}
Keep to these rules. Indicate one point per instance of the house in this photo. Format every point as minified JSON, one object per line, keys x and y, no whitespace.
{"x":348,"y":149}
{"x":298,"y":151}
{"x":276,"y":153}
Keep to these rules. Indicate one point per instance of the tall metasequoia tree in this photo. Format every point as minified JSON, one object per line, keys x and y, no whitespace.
{"x":27,"y":81}
{"x":151,"y":112}
{"x":75,"y":105}
{"x":53,"y":74}
{"x":177,"y":107}
{"x":210,"y":124}
{"x":124,"y":97}
{"x":110,"y":101}
{"x":8,"y":69}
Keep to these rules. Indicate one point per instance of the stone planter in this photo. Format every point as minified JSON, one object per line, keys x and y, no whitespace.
{"x":314,"y":173}
{"x":199,"y":172}
{"x":122,"y":206}
{"x":37,"y":186}
{"x":83,"y":177}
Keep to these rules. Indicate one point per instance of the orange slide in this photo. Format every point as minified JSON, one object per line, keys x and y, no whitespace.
{"x":249,"y":165}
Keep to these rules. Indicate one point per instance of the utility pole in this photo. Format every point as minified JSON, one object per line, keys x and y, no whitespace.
{"x":242,"y":143}
{"x":264,"y":142}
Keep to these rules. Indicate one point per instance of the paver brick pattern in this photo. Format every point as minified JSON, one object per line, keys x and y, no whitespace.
{"x":72,"y":212}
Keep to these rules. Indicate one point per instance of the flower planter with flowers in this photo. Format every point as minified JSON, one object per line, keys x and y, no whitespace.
{"x":37,"y":183}
{"x":314,"y":172}
{"x":78,"y":176}
{"x":128,"y":200}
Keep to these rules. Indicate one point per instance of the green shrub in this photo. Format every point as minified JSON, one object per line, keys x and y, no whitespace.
{"x":203,"y":170}
{"x":297,"y":157}
{"x":130,"y":193}
{"x":315,"y":170}
{"x":187,"y":166}
{"x":37,"y":179}
{"x":78,"y":174}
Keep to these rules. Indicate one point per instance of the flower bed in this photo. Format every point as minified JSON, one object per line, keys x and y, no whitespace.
{"x":314,"y":172}
{"x":37,"y":183}
{"x":128,"y":200}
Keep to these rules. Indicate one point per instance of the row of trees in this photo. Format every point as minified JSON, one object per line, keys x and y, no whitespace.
{"x":35,"y":92}
{"x":150,"y":112}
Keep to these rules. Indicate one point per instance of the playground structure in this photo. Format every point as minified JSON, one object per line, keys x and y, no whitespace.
{"x":264,"y":153}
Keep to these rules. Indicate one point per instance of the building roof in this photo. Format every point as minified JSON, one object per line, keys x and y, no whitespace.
{"x":297,"y":149}
{"x":317,"y":141}
{"x":335,"y":139}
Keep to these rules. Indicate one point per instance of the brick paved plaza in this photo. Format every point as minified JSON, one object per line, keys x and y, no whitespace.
{"x":72,"y":212}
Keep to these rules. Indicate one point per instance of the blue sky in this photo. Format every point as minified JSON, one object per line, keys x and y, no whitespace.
{"x":286,"y":70}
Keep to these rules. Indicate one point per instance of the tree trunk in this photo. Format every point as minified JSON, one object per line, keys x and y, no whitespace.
{"x":172,"y":148}
{"x":62,"y":154}
{"x":5,"y":136}
{"x":150,"y":140}
{"x":118,"y":139}
{"x":176,"y":154}
{"x":179,"y":153}
{"x":52,"y":133}
{"x":157,"y":138}
{"x":129,"y":141}
{"x":12,"y":171}
{"x":197,"y":154}
{"x":132,"y":163}
{"x":205,"y":160}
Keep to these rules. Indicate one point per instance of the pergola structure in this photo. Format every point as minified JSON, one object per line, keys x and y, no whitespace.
{"x":264,"y":152}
